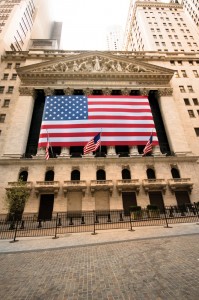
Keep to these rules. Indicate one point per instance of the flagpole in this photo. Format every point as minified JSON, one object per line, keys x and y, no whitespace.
{"x":101,"y":140}
{"x":48,"y":139}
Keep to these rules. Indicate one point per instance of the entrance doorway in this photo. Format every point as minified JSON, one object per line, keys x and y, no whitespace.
{"x":182,"y":198}
{"x":46,"y":207}
{"x":128,"y":199}
{"x":157,"y":200}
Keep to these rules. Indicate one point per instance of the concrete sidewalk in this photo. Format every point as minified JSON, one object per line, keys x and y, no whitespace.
{"x":102,"y":237}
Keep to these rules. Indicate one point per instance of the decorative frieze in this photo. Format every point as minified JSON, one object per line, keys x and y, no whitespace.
{"x":26,"y":91}
{"x":165,"y":92}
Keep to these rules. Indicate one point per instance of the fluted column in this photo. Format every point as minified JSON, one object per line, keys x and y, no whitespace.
{"x":111,"y":151}
{"x":156,"y":151}
{"x":65,"y":152}
{"x":133,"y":151}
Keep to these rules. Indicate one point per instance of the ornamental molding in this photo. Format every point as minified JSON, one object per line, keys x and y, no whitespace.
{"x":101,"y":66}
{"x":26,"y":91}
{"x":165,"y":92}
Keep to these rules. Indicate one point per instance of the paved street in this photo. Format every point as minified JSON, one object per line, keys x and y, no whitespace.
{"x":154,"y":268}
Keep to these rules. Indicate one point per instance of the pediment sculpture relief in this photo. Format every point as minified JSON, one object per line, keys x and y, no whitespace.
{"x":94,"y":64}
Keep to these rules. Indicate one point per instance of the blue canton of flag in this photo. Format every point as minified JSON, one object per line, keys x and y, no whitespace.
{"x":66,"y":108}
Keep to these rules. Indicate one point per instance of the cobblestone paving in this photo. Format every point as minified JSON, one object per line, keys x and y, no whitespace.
{"x":158,"y":269}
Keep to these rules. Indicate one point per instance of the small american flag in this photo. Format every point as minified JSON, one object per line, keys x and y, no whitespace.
{"x":93,"y":144}
{"x":148,"y":148}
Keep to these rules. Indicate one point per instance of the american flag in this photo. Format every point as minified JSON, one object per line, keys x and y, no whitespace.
{"x":148,"y":148}
{"x":93,"y":144}
{"x":75,"y":120}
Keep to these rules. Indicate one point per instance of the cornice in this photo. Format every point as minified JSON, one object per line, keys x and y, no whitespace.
{"x":100,"y":160}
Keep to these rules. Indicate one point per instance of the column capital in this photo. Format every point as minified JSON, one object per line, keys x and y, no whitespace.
{"x":68,"y":91}
{"x":26,"y":91}
{"x":125,"y":92}
{"x":106,"y":91}
{"x":165,"y":92}
{"x":87,"y":91}
{"x":48,"y":91}
{"x":144,"y":92}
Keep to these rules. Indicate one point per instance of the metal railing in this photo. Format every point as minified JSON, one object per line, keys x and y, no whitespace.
{"x":30,"y":225}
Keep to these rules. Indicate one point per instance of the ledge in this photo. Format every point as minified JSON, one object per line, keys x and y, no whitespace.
{"x":154,"y":185}
{"x":101,"y":185}
{"x":128,"y":185}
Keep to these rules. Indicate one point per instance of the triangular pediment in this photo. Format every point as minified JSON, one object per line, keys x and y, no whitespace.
{"x":94,"y":65}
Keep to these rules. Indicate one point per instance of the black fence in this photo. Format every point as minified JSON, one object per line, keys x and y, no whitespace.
{"x":29,"y":225}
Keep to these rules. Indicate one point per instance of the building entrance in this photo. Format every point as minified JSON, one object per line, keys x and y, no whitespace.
{"x":182,"y":198}
{"x":157,"y":200}
{"x":46,"y":207}
{"x":128,"y":199}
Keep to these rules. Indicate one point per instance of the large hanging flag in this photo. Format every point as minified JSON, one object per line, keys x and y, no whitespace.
{"x":93,"y":144}
{"x":75,"y":120}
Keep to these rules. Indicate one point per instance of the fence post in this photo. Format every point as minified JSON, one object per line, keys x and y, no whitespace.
{"x":56,"y":225}
{"x":196,"y":209}
{"x":165,"y":216}
{"x":131,"y":229}
{"x":94,"y":232}
{"x":15,"y":234}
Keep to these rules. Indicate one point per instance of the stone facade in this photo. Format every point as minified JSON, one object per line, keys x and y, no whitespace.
{"x":145,"y":72}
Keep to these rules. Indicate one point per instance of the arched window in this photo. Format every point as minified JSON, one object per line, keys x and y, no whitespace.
{"x":175,"y":173}
{"x":101,"y":175}
{"x":23,"y":175}
{"x":150,"y":173}
{"x":75,"y":175}
{"x":49,"y":176}
{"x":126,"y":174}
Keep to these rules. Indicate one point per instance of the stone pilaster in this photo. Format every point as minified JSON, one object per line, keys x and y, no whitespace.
{"x":15,"y":144}
{"x":175,"y":133}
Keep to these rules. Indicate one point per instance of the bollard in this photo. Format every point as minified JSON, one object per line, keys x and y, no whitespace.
{"x":22,"y":224}
{"x":96,"y":219}
{"x":121,"y":218}
{"x":82,"y":220}
{"x":109,"y":218}
{"x":39,"y":225}
{"x":59,"y":222}
{"x":71,"y":221}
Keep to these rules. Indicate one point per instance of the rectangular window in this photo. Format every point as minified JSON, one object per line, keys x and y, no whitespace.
{"x":179,"y":62}
{"x":172,"y":62}
{"x":9,"y":65}
{"x":184,"y":74}
{"x":195,"y":101}
{"x":14,"y":77}
{"x":190,"y":89}
{"x":195,"y":72}
{"x":17,"y":65}
{"x":191,"y":113}
{"x":191,"y":62}
{"x":5,"y":76}
{"x":196,"y":131}
{"x":6,"y":103}
{"x":2,"y":118}
{"x":10,"y":89}
{"x":182,"y":89}
{"x":2,"y":89}
{"x":186,"y":101}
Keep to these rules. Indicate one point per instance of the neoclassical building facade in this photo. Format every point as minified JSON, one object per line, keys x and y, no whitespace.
{"x":117,"y":177}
